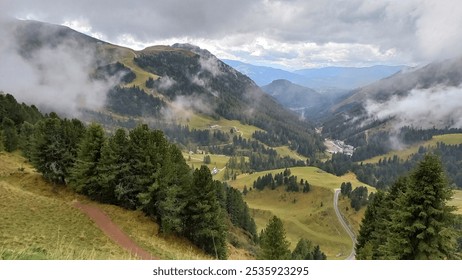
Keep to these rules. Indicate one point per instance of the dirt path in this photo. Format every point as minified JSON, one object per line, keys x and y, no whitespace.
{"x":113,"y":231}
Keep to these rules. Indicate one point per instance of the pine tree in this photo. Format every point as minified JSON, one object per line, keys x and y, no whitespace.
{"x":273,"y":242}
{"x":303,"y":250}
{"x":204,"y":219}
{"x":422,"y":225}
{"x":114,"y":168}
{"x":10,"y":135}
{"x":166,"y":198}
{"x":26,"y":139}
{"x":318,"y":254}
{"x":371,"y":233}
{"x":49,"y":153}
{"x":85,"y":177}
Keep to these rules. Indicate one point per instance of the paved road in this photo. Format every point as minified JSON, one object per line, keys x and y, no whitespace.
{"x":345,"y":225}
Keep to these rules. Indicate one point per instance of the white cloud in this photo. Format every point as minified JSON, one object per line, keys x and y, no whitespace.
{"x":53,"y":78}
{"x":436,"y":107}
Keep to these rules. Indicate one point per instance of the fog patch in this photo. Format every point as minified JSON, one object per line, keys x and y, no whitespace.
{"x":438,"y":107}
{"x":165,"y":82}
{"x":54,"y":78}
{"x":184,"y":107}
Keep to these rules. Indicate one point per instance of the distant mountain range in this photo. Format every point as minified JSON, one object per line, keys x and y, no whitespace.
{"x":320,"y":79}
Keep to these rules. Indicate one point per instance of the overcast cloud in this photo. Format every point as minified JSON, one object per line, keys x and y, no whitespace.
{"x":291,"y":33}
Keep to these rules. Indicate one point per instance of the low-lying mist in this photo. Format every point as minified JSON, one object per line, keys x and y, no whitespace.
{"x":437,"y":107}
{"x":55,"y":78}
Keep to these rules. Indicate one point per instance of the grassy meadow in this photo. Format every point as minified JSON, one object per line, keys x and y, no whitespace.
{"x":450,"y":139}
{"x":309,"y":215}
{"x":38,"y":222}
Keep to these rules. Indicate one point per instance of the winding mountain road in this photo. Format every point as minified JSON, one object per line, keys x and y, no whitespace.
{"x":345,"y":225}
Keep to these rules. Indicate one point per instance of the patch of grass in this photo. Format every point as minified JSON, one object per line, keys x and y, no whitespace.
{"x":199,"y":121}
{"x":144,"y":232}
{"x":310,"y":215}
{"x":141,"y":75}
{"x":216,"y":161}
{"x":450,"y":139}
{"x":285,"y":151}
{"x":314,"y":175}
{"x":457,"y":201}
{"x":34,"y":226}
{"x":38,"y":222}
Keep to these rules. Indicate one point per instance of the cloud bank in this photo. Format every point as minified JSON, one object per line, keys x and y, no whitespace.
{"x":53,"y":78}
{"x":438,"y":107}
{"x":293,"y":33}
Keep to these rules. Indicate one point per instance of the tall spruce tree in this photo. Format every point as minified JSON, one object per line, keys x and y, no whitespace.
{"x":114,"y":168}
{"x":412,"y":220}
{"x":84,"y":174}
{"x":422,"y":225}
{"x":371,"y":232}
{"x":10,"y":135}
{"x":273,"y":242}
{"x":204,"y":219}
{"x":303,"y":250}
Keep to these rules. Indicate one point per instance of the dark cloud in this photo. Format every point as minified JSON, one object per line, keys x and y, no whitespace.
{"x":407,"y":31}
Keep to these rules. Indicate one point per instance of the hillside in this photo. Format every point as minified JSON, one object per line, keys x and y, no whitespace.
{"x":390,"y":103}
{"x":164,"y":86}
{"x":309,"y":215}
{"x":305,"y":101}
{"x":39,"y":222}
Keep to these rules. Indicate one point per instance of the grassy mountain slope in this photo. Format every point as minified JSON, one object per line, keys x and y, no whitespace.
{"x":450,"y":139}
{"x":38,"y":222}
{"x":309,"y":215}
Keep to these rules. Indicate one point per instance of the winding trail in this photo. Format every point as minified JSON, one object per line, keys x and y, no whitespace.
{"x":113,"y":231}
{"x":345,"y":225}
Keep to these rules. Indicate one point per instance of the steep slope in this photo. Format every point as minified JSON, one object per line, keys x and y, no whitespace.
{"x":159,"y":84}
{"x":194,"y":78}
{"x":292,"y":95}
{"x":309,"y":103}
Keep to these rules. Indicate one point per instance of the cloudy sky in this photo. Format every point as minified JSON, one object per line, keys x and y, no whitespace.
{"x":290,"y":34}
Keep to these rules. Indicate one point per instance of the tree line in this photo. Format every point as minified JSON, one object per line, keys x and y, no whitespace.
{"x":284,"y":178}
